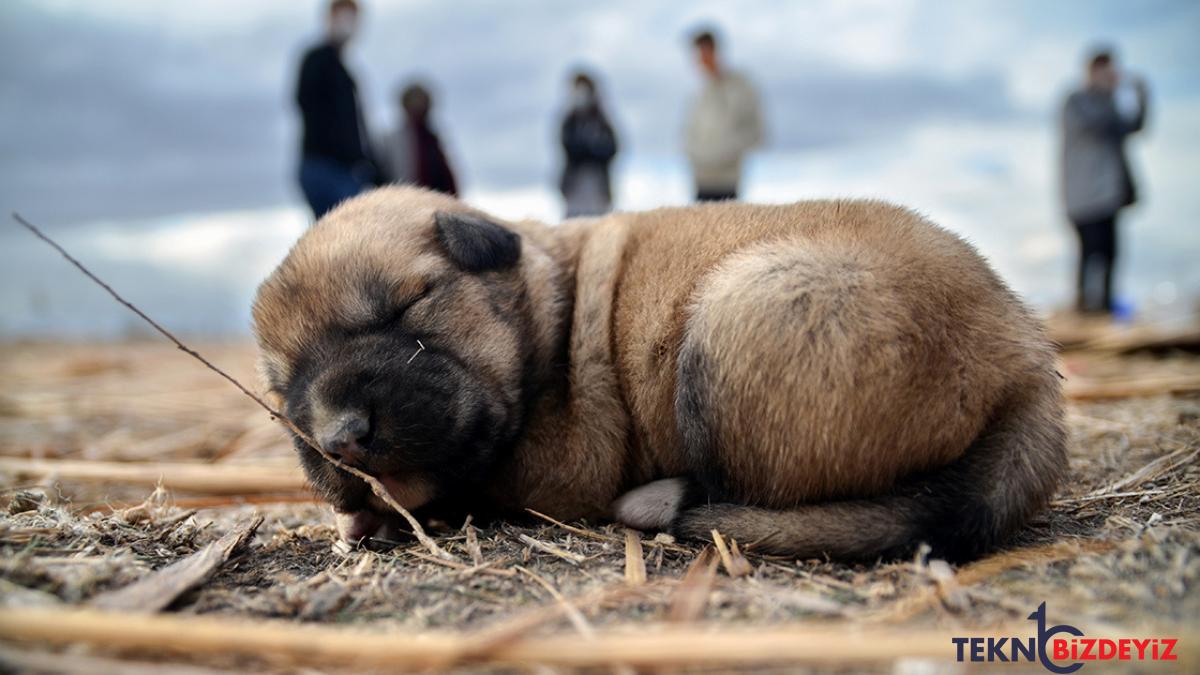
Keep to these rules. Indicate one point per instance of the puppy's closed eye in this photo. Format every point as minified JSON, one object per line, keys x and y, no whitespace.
{"x":394,"y":313}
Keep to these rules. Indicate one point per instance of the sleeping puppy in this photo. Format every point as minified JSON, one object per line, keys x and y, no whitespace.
{"x":836,"y":378}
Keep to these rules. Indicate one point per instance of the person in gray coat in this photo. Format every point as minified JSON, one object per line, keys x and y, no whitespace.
{"x":1096,"y":180}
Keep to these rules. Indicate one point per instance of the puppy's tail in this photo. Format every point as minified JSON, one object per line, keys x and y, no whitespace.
{"x":961,"y":510}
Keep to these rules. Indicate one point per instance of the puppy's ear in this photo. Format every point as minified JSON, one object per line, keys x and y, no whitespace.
{"x":476,"y":244}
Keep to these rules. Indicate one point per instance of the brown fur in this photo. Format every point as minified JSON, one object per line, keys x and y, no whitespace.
{"x":779,"y":357}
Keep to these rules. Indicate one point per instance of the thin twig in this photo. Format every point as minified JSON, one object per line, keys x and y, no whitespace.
{"x":154,"y":324}
{"x":985,"y":569}
{"x":573,"y":614}
{"x":481,"y":644}
{"x":465,"y":569}
{"x":376,"y":486}
{"x":1148,"y":472}
{"x":547,"y":547}
{"x":576,"y":530}
{"x":600,"y":536}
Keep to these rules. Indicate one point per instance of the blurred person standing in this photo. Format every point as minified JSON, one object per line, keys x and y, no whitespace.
{"x":412,"y":153}
{"x":1096,"y":180}
{"x":725,"y":123}
{"x":589,"y":144}
{"x":335,"y":163}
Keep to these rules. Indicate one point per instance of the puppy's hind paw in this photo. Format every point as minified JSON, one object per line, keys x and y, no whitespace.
{"x":652,"y":506}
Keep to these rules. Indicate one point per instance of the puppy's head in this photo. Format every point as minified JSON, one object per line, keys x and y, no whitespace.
{"x":402,"y":333}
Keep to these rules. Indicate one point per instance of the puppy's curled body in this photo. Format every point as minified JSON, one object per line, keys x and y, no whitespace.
{"x":831,"y":377}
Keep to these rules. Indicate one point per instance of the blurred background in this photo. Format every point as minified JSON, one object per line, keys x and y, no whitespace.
{"x":160,"y":141}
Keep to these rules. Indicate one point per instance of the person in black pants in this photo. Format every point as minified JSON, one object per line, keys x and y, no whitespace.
{"x":335,"y":163}
{"x":1097,"y":182}
{"x":1097,"y":258}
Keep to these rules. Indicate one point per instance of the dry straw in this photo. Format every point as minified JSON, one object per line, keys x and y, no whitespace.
{"x":649,"y":646}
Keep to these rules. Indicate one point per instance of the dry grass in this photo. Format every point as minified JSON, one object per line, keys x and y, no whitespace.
{"x":1119,"y":549}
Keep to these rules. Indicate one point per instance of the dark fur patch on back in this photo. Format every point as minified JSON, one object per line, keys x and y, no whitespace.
{"x":695,"y":418}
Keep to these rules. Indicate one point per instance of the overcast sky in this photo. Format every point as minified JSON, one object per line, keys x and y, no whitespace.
{"x":130,"y":114}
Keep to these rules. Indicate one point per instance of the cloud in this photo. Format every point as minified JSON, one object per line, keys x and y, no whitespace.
{"x":115,"y":115}
{"x":104,"y":119}
{"x":138,"y":110}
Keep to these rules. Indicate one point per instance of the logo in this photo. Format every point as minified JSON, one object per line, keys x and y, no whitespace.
{"x":1061,"y":649}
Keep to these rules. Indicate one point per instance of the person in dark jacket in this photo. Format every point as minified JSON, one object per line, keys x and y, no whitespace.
{"x":335,"y":162}
{"x":1096,"y":179}
{"x":412,"y":153}
{"x":589,"y":144}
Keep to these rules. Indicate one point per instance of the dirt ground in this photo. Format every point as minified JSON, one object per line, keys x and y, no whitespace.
{"x":1120,"y":546}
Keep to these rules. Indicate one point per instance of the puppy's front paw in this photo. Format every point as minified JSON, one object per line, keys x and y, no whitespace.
{"x":653,"y":506}
{"x":355,"y":527}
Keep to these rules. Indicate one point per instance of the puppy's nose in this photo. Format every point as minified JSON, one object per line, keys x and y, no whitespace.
{"x":341,"y":438}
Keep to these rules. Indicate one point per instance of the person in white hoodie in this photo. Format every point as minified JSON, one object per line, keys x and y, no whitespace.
{"x":725,"y":123}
